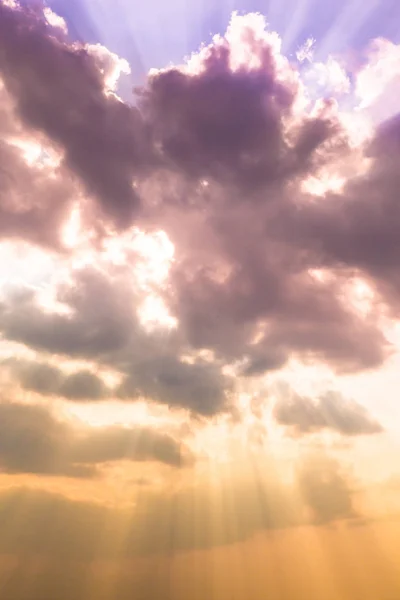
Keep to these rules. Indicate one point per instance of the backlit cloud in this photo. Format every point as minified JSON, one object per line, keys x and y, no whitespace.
{"x":271,"y":203}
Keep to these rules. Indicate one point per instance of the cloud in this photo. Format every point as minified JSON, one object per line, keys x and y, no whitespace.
{"x":253,"y":280}
{"x":35,"y":195}
{"x":47,"y":380}
{"x":329,"y":412}
{"x":378,"y":82}
{"x":33,"y":440}
{"x":355,"y":231}
{"x":326,"y":489}
{"x":99,"y":320}
{"x":221,"y":154}
{"x":59,"y":90}
{"x":197,"y":386}
{"x":327,"y":78}
{"x":83,"y":385}
{"x":306,"y":50}
{"x":136,"y":444}
{"x":100,"y":324}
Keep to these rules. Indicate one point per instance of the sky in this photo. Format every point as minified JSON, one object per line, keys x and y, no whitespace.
{"x":199,"y":300}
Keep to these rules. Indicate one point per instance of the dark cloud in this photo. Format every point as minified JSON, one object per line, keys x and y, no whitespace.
{"x":83,"y":385}
{"x":198,"y":386}
{"x":355,"y":231}
{"x":218,"y":123}
{"x":48,"y":380}
{"x":331,"y":412}
{"x":36,"y":377}
{"x":33,"y":440}
{"x":242,"y":273}
{"x":101,"y":325}
{"x":34,"y":197}
{"x":59,"y":90}
{"x":231,"y":115}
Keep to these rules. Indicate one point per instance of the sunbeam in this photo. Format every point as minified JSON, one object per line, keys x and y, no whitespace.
{"x":199,"y":300}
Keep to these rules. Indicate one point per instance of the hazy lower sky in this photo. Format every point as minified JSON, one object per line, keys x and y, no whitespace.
{"x":199,"y":300}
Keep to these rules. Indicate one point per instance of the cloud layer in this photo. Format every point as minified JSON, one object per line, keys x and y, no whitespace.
{"x":277,"y":208}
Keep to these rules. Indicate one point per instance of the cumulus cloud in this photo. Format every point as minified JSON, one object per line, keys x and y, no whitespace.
{"x":223,"y":154}
{"x":328,"y":412}
{"x":248,"y":293}
{"x":33,"y":440}
{"x":59,"y":90}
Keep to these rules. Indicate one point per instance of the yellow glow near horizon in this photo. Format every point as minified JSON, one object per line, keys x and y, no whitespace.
{"x":229,"y":503}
